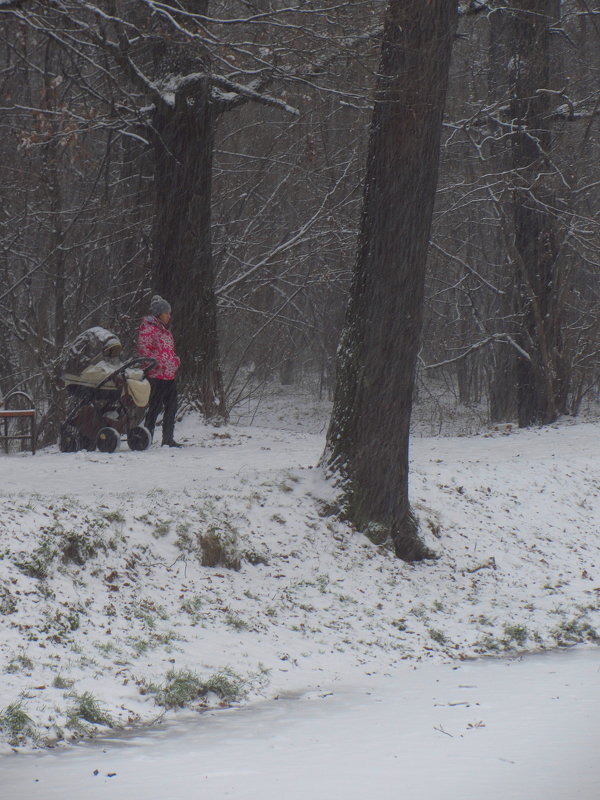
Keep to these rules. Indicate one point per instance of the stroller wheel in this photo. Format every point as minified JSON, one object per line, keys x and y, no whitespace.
{"x":139,"y":438}
{"x":108,"y":440}
{"x":68,"y":441}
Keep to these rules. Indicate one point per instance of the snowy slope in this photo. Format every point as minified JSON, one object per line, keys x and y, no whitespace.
{"x":104,"y":598}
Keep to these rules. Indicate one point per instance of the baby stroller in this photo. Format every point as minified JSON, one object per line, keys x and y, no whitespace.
{"x":107,"y":397}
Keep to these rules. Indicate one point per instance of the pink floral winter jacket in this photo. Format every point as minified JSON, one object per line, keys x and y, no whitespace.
{"x":156,"y":341}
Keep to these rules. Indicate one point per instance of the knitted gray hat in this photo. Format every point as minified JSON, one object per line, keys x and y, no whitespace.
{"x":159,"y":306}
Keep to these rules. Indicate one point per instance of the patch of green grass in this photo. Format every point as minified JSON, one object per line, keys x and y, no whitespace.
{"x":59,"y":625}
{"x":106,"y":648}
{"x":86,"y":707}
{"x":17,"y":724}
{"x":73,"y":621}
{"x":62,"y":683}
{"x":182,"y":687}
{"x":161,"y":528}
{"x":45,"y":591}
{"x":147,"y":611}
{"x":165,"y":638}
{"x":255,"y":557}
{"x":226,"y":685}
{"x":437,"y":636}
{"x":38,"y":563}
{"x":141,"y":645}
{"x":71,"y":546}
{"x":515,"y":633}
{"x":184,"y":541}
{"x":80,"y":547}
{"x":20,"y":663}
{"x":420,"y":612}
{"x":573,"y":631}
{"x":237,"y":623}
{"x":192,"y":605}
{"x":8,"y":603}
{"x":488,"y":643}
{"x":138,"y":644}
{"x":114,"y":516}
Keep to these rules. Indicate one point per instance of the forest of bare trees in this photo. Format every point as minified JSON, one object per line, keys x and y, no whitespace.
{"x":216,"y":152}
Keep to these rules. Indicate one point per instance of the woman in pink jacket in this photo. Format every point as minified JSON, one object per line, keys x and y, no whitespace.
{"x":155,"y":340}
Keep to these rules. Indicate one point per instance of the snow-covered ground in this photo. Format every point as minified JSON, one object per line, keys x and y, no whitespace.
{"x":110,"y":615}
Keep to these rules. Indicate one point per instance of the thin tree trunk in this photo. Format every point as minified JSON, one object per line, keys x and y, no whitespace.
{"x":502,"y":386}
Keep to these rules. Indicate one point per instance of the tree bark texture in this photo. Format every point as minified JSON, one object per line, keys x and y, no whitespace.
{"x":183,"y":141}
{"x":368,"y":437}
{"x":541,"y":383}
{"x":502,"y":386}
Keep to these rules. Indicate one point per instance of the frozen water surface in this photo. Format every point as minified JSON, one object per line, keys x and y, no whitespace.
{"x":525,"y":729}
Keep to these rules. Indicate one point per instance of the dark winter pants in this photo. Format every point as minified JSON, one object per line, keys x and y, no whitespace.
{"x":163,"y":397}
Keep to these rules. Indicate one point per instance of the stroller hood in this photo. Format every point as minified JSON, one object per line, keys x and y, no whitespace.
{"x":90,"y":347}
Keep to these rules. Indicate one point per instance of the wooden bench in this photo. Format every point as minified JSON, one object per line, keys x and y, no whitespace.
{"x":10,"y":410}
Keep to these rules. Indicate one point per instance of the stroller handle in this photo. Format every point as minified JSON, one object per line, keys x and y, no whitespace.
{"x":137,"y":362}
{"x":133,"y":362}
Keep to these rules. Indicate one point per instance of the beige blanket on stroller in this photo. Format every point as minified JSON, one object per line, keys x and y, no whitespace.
{"x":139,"y":391}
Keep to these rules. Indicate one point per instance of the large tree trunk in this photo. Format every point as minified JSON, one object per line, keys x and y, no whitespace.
{"x":183,"y":271}
{"x":182,"y":135}
{"x":367,"y":441}
{"x":540,"y":388}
